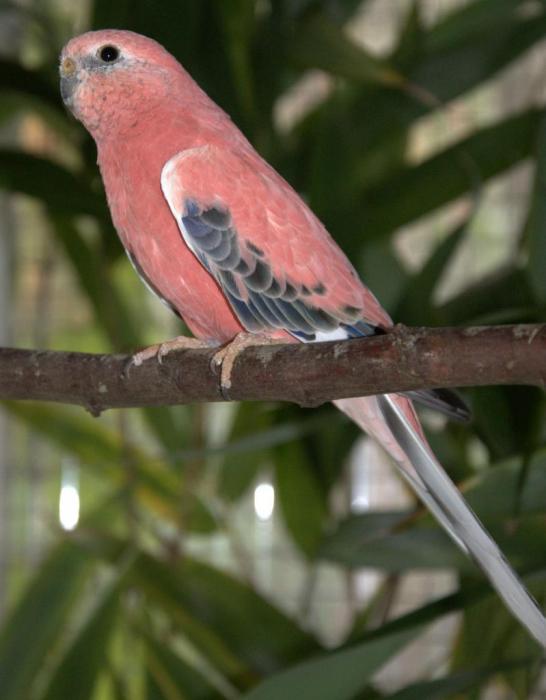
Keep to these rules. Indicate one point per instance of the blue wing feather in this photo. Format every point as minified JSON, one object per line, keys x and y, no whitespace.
{"x":259,"y":300}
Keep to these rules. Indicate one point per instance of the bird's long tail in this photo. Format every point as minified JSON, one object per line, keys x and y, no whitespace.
{"x":392,"y":421}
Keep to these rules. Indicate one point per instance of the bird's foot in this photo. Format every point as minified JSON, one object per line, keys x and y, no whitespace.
{"x":226,"y":356}
{"x":181,"y":342}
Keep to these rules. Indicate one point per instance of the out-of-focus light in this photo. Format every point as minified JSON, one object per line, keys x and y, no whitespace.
{"x":69,"y":506}
{"x":360,"y":504}
{"x":361,"y":459}
{"x":264,"y":501}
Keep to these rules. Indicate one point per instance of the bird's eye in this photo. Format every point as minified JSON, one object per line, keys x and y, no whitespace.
{"x":108,"y":54}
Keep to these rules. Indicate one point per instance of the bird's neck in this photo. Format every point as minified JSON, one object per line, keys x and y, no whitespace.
{"x":152,"y":140}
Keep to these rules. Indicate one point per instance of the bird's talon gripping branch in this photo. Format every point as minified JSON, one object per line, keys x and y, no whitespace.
{"x":181,"y":342}
{"x":225,"y":359}
{"x":226,"y":356}
{"x":143,"y":355}
{"x":160,"y":350}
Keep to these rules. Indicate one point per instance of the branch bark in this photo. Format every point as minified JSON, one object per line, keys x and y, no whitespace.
{"x":403,"y":359}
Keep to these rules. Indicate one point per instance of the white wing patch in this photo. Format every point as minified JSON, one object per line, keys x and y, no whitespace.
{"x":338,"y":334}
{"x":173,"y":190}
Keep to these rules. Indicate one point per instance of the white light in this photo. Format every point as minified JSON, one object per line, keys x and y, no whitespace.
{"x":361,"y":459}
{"x":264,"y":501}
{"x":69,"y":507}
{"x":360,"y":504}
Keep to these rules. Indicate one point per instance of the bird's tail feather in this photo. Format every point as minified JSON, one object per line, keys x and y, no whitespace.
{"x":433,"y":486}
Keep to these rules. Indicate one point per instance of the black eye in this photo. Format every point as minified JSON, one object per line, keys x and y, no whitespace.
{"x":108,"y":54}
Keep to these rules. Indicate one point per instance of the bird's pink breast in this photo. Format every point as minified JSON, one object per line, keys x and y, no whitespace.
{"x":131,"y":172}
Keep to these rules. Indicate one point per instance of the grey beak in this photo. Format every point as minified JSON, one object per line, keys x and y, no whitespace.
{"x":69,"y":71}
{"x":68,"y":86}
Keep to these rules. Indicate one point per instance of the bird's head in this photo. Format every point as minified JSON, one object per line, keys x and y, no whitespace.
{"x":111,"y":79}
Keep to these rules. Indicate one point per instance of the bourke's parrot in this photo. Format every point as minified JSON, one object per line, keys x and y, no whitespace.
{"x":226,"y":243}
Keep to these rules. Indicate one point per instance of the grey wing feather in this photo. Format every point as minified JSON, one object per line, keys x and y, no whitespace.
{"x":445,"y":401}
{"x":259,"y":299}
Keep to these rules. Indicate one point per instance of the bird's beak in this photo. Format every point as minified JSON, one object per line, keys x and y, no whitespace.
{"x":69,"y":79}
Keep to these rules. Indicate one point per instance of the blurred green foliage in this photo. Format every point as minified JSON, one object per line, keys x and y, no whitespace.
{"x":120,"y":608}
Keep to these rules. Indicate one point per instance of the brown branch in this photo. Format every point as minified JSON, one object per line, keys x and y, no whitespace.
{"x":402,"y":360}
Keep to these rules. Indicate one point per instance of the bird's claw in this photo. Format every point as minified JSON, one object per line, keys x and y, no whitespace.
{"x":146,"y":354}
{"x":225,"y":357}
{"x":160,"y":350}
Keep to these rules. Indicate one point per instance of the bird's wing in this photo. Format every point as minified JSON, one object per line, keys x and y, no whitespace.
{"x":275,"y":262}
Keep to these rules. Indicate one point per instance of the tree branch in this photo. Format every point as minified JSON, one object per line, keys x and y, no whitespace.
{"x":403,"y":359}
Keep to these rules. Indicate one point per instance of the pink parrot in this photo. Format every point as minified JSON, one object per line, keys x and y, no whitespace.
{"x":228,"y":245}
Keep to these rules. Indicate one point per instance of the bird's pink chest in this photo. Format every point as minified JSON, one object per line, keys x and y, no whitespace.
{"x":154,"y":244}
